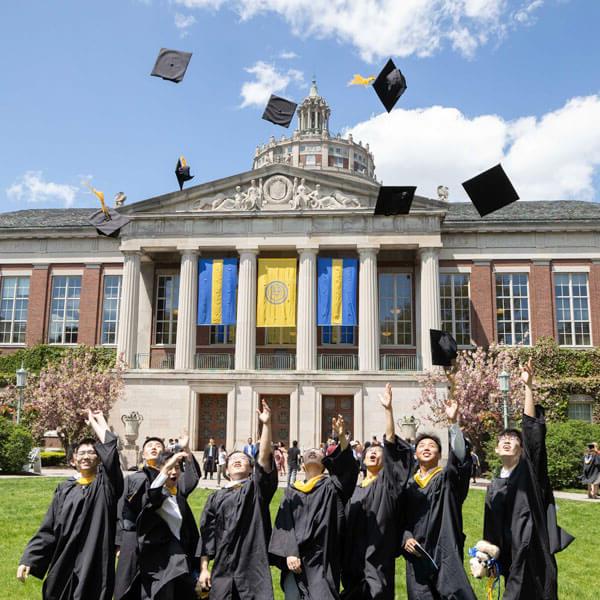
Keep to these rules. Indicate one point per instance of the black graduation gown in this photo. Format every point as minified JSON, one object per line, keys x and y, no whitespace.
{"x":433,"y":516}
{"x":372,"y":531}
{"x":166,"y":563}
{"x":591,"y":469}
{"x":311,"y":526}
{"x":75,"y":545}
{"x":234,"y":532}
{"x":127,"y":583}
{"x":520,"y":518}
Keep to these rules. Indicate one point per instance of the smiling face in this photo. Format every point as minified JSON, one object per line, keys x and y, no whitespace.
{"x":239,"y":466}
{"x":85,"y":459}
{"x":152,"y":449}
{"x":313,"y":459}
{"x":428,"y":453}
{"x":373,"y":458}
{"x":509,"y":446}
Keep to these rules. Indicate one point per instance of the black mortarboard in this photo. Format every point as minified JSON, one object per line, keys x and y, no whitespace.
{"x":390,"y":85}
{"x":394,"y":199}
{"x":182,"y":171}
{"x":171,"y":64}
{"x":490,"y":190}
{"x":443,"y":348}
{"x":107,"y":226}
{"x":424,"y":565}
{"x":279,"y":111}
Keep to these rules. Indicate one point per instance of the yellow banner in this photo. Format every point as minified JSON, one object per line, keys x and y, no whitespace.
{"x":276,"y":291}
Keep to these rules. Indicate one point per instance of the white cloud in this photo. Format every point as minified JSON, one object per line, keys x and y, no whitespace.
{"x":525,"y":14}
{"x":267,"y":80}
{"x":32,"y":188}
{"x":288,"y":55}
{"x":380,"y":28}
{"x":184,"y":22}
{"x":551,"y":157}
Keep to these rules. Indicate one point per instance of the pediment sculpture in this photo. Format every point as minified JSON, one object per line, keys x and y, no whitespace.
{"x":278,"y":193}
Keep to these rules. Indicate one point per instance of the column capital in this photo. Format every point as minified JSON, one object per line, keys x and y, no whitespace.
{"x":193,"y":251}
{"x":308,"y":250}
{"x":251,"y":250}
{"x":428,"y":251}
{"x":132,"y":253}
{"x":367,"y":250}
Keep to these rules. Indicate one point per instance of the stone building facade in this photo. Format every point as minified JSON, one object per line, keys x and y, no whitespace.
{"x":529,"y":270}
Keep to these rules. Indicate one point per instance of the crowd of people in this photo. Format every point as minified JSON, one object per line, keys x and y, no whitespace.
{"x":335,"y":535}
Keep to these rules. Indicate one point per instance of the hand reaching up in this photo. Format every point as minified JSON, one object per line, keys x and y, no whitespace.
{"x":527,"y":373}
{"x":386,"y":397}
{"x":264,"y":415}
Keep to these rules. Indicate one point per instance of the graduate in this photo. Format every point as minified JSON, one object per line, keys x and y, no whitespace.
{"x":520,"y":514}
{"x":306,"y":543}
{"x":235,"y":526}
{"x":166,"y":530}
{"x":371,"y":541}
{"x":433,"y":515}
{"x":75,"y":545}
{"x":127,"y":585}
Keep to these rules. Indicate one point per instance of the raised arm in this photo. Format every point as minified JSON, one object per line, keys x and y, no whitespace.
{"x":155,"y":494}
{"x":266,"y":438}
{"x":386,"y":402}
{"x":107,"y":450}
{"x":191,"y":474}
{"x":457,"y":440}
{"x":96,"y":420}
{"x":527,"y":378}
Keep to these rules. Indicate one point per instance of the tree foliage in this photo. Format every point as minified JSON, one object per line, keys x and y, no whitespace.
{"x":15,"y":445}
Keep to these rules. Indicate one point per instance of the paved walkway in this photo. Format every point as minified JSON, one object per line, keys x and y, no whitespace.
{"x":211,"y":484}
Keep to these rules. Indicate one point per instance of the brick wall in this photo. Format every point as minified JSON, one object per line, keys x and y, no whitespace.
{"x":594,"y":294}
{"x":542,"y":301}
{"x":482,"y":304}
{"x":91,"y":296}
{"x":38,"y":302}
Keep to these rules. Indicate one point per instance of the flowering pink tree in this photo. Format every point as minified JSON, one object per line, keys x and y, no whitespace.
{"x":477,"y":390}
{"x":64,"y":390}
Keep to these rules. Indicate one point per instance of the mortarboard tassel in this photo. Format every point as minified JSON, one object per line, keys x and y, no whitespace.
{"x":100,"y":196}
{"x":360,"y":80}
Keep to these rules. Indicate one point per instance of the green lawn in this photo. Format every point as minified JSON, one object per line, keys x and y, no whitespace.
{"x":23,"y":502}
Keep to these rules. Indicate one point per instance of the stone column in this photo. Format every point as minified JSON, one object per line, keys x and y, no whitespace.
{"x":430,"y":301}
{"x":368,"y":311}
{"x":306,"y":339}
{"x":128,"y":317}
{"x":245,"y":334}
{"x":185,"y":348}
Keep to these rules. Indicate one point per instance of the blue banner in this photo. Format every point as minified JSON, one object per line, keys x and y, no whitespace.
{"x":337,"y":287}
{"x":217,"y":290}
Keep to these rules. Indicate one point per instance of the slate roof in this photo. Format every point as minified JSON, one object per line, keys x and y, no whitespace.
{"x":458,"y":212}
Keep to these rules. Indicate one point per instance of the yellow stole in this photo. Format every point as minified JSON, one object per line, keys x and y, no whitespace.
{"x":308,"y":486}
{"x":171,"y":490}
{"x":85,"y":480}
{"x":423,"y":480}
{"x":151,"y":462}
{"x":368,"y":480}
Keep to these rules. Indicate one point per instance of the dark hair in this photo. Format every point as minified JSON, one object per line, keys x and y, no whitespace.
{"x":153,"y":439}
{"x":514,"y":432}
{"x":295,"y":443}
{"x":87,"y":441}
{"x":429,"y":436}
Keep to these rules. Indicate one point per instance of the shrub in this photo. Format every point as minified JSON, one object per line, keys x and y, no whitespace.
{"x":565,"y":442}
{"x":52,"y":458}
{"x":15,"y":445}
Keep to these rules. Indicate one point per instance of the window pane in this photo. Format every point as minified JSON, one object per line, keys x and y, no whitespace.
{"x":512,"y":308}
{"x":14,"y":302}
{"x":455,"y":306}
{"x":572,"y":309}
{"x":395,"y":309}
{"x":165,"y":319}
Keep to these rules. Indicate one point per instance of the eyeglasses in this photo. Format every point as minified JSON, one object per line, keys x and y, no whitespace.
{"x":86,"y":453}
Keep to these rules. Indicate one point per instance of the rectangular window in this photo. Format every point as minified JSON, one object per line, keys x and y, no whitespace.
{"x":512,"y":308}
{"x":14,"y":301}
{"x":338,"y":334}
{"x":395,"y":309}
{"x":222,"y":334}
{"x":581,"y":411}
{"x":572,"y":309}
{"x":310,"y":160}
{"x":64,"y":309}
{"x":110,"y":309}
{"x":280,"y":336}
{"x":456,"y":306}
{"x":167,"y":303}
{"x":338,"y":161}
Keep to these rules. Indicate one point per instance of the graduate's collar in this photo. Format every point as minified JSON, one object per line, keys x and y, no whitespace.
{"x":171,"y":489}
{"x":151,"y":463}
{"x":84,"y":480}
{"x":236,"y":484}
{"x":308,"y":486}
{"x":369,"y":479}
{"x":423,"y":480}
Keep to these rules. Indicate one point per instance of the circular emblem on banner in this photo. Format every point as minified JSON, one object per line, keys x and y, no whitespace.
{"x":276,"y":292}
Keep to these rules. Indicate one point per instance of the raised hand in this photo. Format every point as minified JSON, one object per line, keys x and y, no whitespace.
{"x":338,"y":426}
{"x":386,"y":397}
{"x":451,"y":406}
{"x":184,"y":440}
{"x":96,"y":420}
{"x":527,"y":373}
{"x":174,"y":460}
{"x":264,"y":415}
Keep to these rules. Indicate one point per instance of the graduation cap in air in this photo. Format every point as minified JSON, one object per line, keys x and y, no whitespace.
{"x":171,"y":64}
{"x":182,"y":171}
{"x":390,"y":85}
{"x":443,"y":348}
{"x":109,"y":223}
{"x":394,"y":199}
{"x":491,"y":190}
{"x":279,"y":111}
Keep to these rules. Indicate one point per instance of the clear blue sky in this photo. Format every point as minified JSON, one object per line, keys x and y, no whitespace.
{"x":76,"y":98}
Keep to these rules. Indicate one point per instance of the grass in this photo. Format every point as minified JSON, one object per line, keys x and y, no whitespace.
{"x":23,"y":503}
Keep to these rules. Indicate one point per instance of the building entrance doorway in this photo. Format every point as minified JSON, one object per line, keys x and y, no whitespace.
{"x":212,"y":419}
{"x":332,"y":407}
